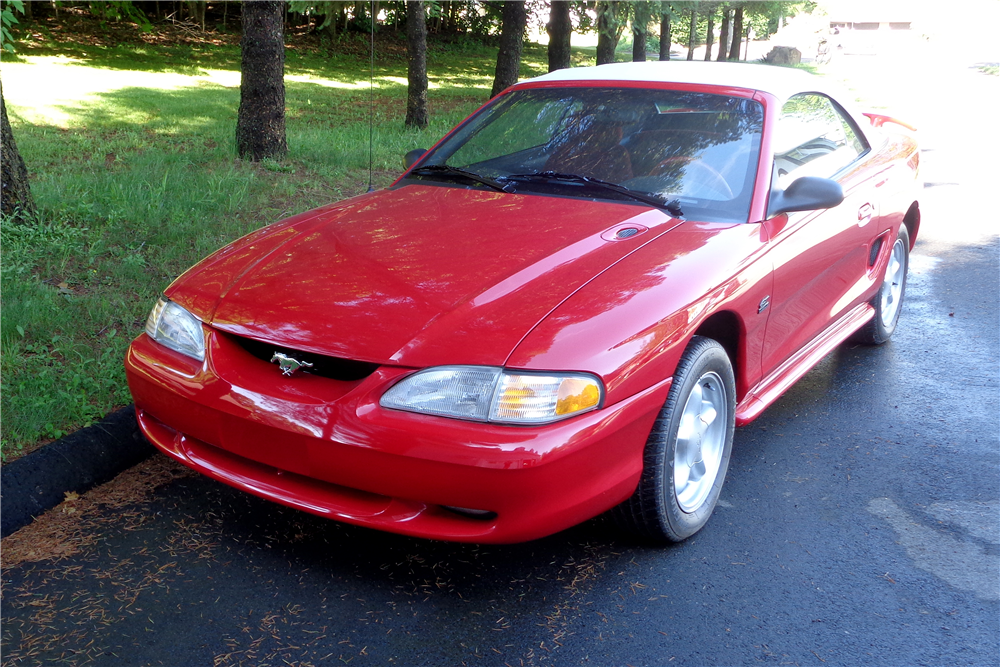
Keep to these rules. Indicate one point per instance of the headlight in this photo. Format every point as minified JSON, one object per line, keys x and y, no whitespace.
{"x":487,"y":394}
{"x":173,"y":326}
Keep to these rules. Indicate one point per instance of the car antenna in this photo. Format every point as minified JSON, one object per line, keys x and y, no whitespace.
{"x":371,"y":93}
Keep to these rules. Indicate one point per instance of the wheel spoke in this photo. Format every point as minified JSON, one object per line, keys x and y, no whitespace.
{"x":687,"y":451}
{"x":697,"y":472}
{"x":707,"y":416}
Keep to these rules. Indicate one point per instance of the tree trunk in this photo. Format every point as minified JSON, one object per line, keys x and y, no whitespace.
{"x":640,"y":26}
{"x":196,"y":10}
{"x":665,"y":36}
{"x":693,"y":32}
{"x":710,"y":35}
{"x":608,"y":31}
{"x":511,"y":37}
{"x":260,"y":124}
{"x":724,"y":35}
{"x":446,"y":17}
{"x":15,"y":192}
{"x":416,"y":73}
{"x":737,"y":37}
{"x":560,"y":29}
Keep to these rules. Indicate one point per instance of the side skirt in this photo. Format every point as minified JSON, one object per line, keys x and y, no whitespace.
{"x":784,"y":376}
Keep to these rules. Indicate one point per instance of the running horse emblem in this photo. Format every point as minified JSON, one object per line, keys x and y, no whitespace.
{"x":288,"y":364}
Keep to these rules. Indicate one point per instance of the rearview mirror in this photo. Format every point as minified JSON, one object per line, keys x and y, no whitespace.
{"x":808,"y":193}
{"x":410,"y":158}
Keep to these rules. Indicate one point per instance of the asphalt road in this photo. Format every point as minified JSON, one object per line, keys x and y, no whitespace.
{"x":860,"y":524}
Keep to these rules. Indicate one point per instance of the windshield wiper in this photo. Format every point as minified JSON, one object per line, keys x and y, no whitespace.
{"x":447,"y":170}
{"x":672,"y":206}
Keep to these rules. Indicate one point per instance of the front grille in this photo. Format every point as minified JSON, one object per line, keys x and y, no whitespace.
{"x":346,"y":370}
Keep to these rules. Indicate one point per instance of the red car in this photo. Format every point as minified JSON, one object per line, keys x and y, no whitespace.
{"x":564,"y":307}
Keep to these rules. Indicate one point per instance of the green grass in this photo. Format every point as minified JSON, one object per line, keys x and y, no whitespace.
{"x":133,"y":168}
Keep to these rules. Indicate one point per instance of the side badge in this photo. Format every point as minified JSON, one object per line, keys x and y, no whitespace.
{"x":289,"y":365}
{"x":764,"y":303}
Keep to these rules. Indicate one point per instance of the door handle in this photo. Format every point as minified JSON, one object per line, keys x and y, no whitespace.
{"x":865,"y":214}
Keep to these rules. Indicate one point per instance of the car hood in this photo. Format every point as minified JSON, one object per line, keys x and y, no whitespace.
{"x":417,"y":275}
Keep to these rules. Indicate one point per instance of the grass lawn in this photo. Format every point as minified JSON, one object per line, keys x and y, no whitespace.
{"x":131,"y":151}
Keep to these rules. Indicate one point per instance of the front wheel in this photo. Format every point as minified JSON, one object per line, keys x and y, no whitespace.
{"x":888,"y":302}
{"x":687,"y":453}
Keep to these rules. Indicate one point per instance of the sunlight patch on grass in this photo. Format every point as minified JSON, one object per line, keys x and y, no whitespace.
{"x":70,"y":87}
{"x":356,"y":84}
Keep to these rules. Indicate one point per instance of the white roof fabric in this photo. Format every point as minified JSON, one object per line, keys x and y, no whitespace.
{"x":782,"y":82}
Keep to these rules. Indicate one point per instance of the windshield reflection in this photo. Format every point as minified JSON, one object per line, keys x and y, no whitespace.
{"x":698,"y":148}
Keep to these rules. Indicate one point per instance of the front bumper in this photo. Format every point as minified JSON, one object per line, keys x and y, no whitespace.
{"x":327,"y":447}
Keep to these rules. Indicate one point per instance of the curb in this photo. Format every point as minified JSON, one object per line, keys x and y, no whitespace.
{"x":77,"y":462}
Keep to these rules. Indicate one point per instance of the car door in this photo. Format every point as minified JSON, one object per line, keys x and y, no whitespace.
{"x":819,"y":258}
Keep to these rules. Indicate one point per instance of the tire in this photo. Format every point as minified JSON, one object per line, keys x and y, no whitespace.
{"x":692,"y":436}
{"x":888,"y":302}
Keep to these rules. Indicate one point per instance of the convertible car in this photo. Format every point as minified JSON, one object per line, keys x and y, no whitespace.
{"x":564,"y":307}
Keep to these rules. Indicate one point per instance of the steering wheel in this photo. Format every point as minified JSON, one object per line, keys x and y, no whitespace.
{"x":712,"y":179}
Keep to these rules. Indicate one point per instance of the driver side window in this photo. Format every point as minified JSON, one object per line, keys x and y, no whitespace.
{"x":813,"y":139}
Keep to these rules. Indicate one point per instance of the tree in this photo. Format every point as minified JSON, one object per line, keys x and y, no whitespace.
{"x":196,"y":10}
{"x":416,"y":73}
{"x":260,"y":123}
{"x":737,"y":37}
{"x":610,"y":22}
{"x":724,"y":34}
{"x":709,"y":34}
{"x":765,"y":18}
{"x":511,"y":38}
{"x":693,"y":31}
{"x":560,"y":28}
{"x":640,"y":28}
{"x":15,"y":190}
{"x":666,"y":14}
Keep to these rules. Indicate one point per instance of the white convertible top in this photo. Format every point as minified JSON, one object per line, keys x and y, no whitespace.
{"x":782,"y":82}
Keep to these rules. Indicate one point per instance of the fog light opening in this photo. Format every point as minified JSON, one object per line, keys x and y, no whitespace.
{"x":482,"y":515}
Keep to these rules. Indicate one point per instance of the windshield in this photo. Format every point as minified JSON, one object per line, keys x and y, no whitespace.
{"x":694,"y":148}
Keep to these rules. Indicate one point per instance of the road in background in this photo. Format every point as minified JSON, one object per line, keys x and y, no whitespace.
{"x":859,"y":523}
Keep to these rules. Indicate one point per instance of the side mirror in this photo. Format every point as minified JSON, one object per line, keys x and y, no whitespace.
{"x":410,"y":158}
{"x":808,"y":193}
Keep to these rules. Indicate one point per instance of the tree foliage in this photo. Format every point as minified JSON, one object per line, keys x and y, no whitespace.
{"x":120,"y":10}
{"x":7,"y":19}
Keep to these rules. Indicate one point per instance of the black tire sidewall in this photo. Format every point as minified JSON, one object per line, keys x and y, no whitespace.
{"x":702,"y":356}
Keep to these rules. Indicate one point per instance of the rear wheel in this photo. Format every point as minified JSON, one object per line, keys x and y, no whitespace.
{"x":888,"y":302}
{"x":687,"y":453}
